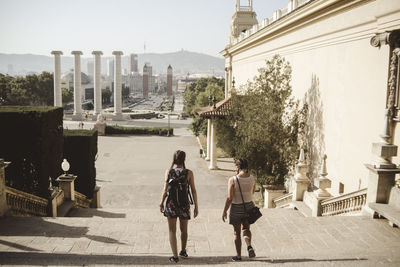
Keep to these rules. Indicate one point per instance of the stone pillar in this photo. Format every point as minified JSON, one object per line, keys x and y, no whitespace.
{"x":57,"y":78}
{"x":271,"y":192}
{"x":97,"y":84}
{"x":300,"y":179}
{"x":213,"y":146}
{"x":3,"y":199}
{"x":382,"y":172}
{"x":77,"y":116}
{"x":96,"y":198}
{"x":66,"y":183}
{"x":208,"y":139}
{"x":117,"y":86}
{"x":322,"y":182}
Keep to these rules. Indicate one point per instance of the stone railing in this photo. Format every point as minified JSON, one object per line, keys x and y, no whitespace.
{"x":24,"y":204}
{"x":82,"y":201}
{"x":283,"y":201}
{"x":345,"y":204}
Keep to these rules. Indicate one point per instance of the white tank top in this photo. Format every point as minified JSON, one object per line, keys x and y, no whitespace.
{"x":246,"y":184}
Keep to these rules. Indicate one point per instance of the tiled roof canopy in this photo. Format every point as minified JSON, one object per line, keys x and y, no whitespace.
{"x":222,"y":109}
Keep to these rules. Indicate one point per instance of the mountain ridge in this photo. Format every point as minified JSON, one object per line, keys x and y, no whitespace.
{"x":182,"y":62}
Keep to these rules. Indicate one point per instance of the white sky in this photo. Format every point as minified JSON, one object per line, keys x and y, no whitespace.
{"x":39,"y":26}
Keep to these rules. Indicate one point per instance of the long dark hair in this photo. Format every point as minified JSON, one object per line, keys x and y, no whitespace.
{"x":242,"y":164}
{"x":178,"y":159}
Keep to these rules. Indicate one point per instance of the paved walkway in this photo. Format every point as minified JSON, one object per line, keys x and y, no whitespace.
{"x":129,"y":230}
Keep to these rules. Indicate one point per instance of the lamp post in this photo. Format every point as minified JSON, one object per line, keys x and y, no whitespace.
{"x":169,"y":113}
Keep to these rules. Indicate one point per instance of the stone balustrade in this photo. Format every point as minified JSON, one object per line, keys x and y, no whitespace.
{"x":350,"y":203}
{"x":24,"y":204}
{"x":82,"y":201}
{"x":283,"y":201}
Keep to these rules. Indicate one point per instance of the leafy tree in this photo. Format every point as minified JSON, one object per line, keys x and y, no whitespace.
{"x":67,"y":95}
{"x":265,"y":123}
{"x":106,"y":96}
{"x":197,"y":95}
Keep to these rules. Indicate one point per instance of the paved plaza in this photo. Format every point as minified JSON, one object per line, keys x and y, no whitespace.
{"x":129,"y":229}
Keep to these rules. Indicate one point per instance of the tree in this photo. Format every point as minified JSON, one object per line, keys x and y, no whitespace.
{"x":67,"y":95}
{"x":197,"y":95}
{"x":265,"y":123}
{"x":106,"y":96}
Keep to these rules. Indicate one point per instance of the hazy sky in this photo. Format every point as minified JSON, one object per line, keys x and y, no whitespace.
{"x":39,"y":26}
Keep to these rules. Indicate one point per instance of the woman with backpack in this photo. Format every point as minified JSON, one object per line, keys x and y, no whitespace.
{"x":241,"y":189}
{"x":178,"y":179}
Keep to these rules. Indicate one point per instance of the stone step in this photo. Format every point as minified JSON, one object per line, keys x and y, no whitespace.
{"x":302,"y":207}
{"x":64,"y":208}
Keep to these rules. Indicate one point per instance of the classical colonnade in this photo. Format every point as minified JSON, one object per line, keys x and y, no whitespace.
{"x":77,"y":115}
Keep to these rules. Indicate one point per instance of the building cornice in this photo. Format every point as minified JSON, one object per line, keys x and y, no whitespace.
{"x":300,"y":17}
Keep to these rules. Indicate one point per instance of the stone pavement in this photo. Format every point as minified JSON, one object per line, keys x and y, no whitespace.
{"x":129,"y":230}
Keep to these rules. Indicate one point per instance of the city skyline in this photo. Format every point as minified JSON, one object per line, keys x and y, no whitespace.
{"x":37,"y":27}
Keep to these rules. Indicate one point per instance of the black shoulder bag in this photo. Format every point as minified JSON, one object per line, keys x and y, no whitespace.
{"x":253,"y":214}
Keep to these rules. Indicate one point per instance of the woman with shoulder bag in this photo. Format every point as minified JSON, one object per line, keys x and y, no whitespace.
{"x":241,"y":189}
{"x":178,"y":179}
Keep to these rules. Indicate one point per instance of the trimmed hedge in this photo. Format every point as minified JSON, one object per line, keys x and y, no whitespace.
{"x":80,"y":149}
{"x":163,"y":131}
{"x":32,"y":139}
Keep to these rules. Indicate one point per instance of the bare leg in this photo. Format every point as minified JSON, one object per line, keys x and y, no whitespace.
{"x":247,"y":233}
{"x":184,"y":232}
{"x":237,"y":239}
{"x":172,"y":236}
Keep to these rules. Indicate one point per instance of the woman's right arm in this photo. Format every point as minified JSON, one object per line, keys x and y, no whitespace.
{"x":229,"y":199}
{"x":164,"y":193}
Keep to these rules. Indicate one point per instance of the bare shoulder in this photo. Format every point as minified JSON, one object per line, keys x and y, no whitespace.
{"x":190,"y":173}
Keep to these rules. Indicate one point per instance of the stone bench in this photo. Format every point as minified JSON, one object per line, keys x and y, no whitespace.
{"x":391,"y":210}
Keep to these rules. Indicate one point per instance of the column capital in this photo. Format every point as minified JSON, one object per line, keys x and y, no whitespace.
{"x":97,"y":53}
{"x":117,"y":53}
{"x":76,"y":53}
{"x":56,"y":52}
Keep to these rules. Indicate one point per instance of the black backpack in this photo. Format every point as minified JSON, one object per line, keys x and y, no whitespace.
{"x":178,"y":188}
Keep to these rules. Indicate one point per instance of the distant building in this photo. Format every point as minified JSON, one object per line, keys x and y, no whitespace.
{"x":135,"y":83}
{"x":145,"y":81}
{"x":133,"y":63}
{"x":110,"y":68}
{"x":90,"y":68}
{"x":183,"y":82}
{"x":169,"y":81}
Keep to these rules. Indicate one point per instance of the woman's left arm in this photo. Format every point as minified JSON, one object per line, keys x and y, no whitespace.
{"x":194,"y":192}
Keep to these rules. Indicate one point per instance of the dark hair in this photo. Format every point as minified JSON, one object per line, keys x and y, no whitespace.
{"x":178,"y":159}
{"x":242,"y":164}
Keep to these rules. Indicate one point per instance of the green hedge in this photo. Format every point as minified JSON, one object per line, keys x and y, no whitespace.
{"x":32,"y":139}
{"x":139,"y":130}
{"x":80,"y":149}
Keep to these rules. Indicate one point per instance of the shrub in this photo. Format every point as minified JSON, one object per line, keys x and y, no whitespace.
{"x":80,"y":149}
{"x":163,"y":131}
{"x":265,"y":123}
{"x":31,"y":138}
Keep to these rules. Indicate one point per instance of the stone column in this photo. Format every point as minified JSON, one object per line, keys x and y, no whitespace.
{"x":77,"y":116}
{"x":3,"y":199}
{"x":97,"y":84}
{"x":322,"y":182}
{"x":117,"y":86}
{"x":213,"y":146}
{"x":57,"y":78}
{"x":67,"y":184}
{"x":208,"y":139}
{"x":300,"y":179}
